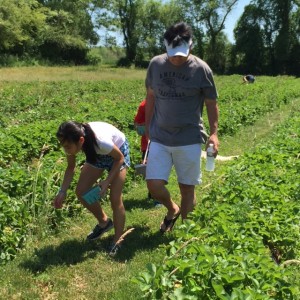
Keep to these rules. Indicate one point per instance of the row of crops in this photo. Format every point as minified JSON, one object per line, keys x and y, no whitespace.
{"x":31,"y":163}
{"x":243,"y":241}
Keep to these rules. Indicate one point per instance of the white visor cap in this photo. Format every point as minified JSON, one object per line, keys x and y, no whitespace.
{"x":181,"y":50}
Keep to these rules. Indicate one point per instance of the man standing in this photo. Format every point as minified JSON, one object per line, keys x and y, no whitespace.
{"x":178,"y":85}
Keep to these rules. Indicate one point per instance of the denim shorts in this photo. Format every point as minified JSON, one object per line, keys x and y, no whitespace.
{"x":106,"y":161}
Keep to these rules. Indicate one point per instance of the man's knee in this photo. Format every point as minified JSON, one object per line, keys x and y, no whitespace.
{"x":186,"y":188}
{"x":155,"y":184}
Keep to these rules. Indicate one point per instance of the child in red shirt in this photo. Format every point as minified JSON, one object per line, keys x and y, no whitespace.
{"x":139,"y":123}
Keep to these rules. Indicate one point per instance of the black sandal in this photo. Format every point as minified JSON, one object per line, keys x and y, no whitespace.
{"x":168,"y":224}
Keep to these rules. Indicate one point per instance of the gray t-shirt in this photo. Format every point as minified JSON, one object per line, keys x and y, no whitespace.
{"x":179,"y":99}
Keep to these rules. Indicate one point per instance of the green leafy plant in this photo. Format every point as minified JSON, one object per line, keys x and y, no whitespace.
{"x":31,"y":163}
{"x":243,"y":235}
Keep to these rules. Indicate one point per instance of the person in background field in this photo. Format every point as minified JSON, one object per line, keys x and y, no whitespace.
{"x":105,"y":148}
{"x":178,"y":85}
{"x":139,"y":123}
{"x":248,"y":79}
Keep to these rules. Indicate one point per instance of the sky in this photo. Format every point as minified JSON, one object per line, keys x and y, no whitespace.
{"x":233,"y":17}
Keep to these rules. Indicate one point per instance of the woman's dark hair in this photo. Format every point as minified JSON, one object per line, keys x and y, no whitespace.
{"x":178,"y":33}
{"x":71,"y":131}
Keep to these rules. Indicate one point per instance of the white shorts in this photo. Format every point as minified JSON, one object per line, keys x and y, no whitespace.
{"x":186,"y":160}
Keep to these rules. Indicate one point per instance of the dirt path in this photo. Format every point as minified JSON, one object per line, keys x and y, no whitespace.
{"x":220,"y":157}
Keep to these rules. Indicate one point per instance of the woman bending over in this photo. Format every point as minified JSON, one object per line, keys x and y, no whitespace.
{"x":105,"y":148}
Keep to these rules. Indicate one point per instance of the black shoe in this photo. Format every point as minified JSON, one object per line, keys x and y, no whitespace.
{"x":98,"y":231}
{"x":114,"y":249}
{"x":157,"y":204}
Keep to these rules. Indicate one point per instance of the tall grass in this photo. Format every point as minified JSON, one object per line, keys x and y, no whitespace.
{"x":109,"y":55}
{"x":82,"y":73}
{"x":39,"y":199}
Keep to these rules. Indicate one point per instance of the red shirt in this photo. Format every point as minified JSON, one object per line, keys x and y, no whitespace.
{"x":140,"y":119}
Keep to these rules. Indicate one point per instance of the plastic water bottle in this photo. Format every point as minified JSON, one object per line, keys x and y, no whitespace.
{"x":210,"y":159}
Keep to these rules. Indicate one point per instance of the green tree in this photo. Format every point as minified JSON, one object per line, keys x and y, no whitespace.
{"x":123,"y":16}
{"x":209,"y":16}
{"x":74,"y":16}
{"x":270,"y":27}
{"x":69,"y":31}
{"x":141,"y":23}
{"x":215,"y":14}
{"x":128,"y":14}
{"x":193,"y":17}
{"x":154,"y":18}
{"x":247,"y":34}
{"x":151,"y":31}
{"x":56,"y":30}
{"x":294,"y":58}
{"x":21,"y":25}
{"x":60,"y":43}
{"x":283,"y":43}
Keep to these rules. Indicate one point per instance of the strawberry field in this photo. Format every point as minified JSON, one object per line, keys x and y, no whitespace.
{"x":242,"y":242}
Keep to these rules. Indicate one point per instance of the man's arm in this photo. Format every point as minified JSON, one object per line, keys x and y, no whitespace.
{"x":150,"y":99}
{"x":213,"y":118}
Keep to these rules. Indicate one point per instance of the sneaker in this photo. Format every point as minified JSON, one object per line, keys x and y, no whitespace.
{"x":157,"y":204}
{"x":98,"y":231}
{"x":114,"y":249}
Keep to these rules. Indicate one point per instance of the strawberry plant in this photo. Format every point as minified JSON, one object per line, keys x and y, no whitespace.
{"x":31,"y":161}
{"x":243,"y":234}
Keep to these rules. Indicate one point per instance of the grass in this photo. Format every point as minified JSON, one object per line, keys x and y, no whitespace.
{"x":82,"y":73}
{"x":248,"y":137}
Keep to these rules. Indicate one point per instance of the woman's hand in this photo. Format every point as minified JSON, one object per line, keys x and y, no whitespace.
{"x":58,"y":201}
{"x":140,"y":129}
{"x":104,"y":185}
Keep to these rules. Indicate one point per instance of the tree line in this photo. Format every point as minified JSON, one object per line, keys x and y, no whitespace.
{"x":267,"y":34}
